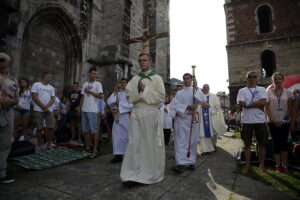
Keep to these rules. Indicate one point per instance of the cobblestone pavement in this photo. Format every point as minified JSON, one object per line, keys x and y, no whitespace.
{"x":215,"y":177}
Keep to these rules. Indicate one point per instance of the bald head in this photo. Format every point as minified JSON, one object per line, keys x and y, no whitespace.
{"x":205,"y":89}
{"x":5,"y":56}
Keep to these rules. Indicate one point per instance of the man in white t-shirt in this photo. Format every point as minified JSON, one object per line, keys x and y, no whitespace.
{"x":252,"y":99}
{"x":91,"y":91}
{"x":43,"y":96}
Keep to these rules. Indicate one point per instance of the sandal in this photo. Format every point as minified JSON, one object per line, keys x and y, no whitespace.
{"x":262,"y":169}
{"x":93,"y":155}
{"x":246,"y":169}
{"x":88,"y":150}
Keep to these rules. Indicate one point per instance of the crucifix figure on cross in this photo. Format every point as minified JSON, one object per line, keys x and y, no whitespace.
{"x":146,"y":36}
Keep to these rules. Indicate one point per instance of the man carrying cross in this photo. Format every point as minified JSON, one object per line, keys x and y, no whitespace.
{"x":184,"y":108}
{"x":144,"y":160}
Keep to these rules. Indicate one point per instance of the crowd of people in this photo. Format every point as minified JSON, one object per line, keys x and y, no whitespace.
{"x":141,"y":119}
{"x":268,"y":113}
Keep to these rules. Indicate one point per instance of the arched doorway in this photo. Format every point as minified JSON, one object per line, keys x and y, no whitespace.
{"x":268,"y":62}
{"x":51,"y":43}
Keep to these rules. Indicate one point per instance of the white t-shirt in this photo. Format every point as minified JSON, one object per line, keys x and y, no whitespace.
{"x":90,"y":103}
{"x":44,"y":93}
{"x":278,"y":111}
{"x":252,"y":115}
{"x":63,"y":108}
{"x":25,"y":100}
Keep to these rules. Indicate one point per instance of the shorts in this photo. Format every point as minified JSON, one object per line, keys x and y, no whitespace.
{"x":74,"y":117}
{"x":21,"y":112}
{"x":39,"y":117}
{"x":99,"y":118}
{"x":260,"y":130}
{"x":89,"y":122}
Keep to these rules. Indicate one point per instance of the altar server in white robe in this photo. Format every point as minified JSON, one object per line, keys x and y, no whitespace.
{"x":186,"y":124}
{"x":121,"y":109}
{"x":144,"y":160}
{"x":212,"y":123}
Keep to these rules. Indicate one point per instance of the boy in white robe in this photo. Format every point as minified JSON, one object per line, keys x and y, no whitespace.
{"x":211,"y":123}
{"x":121,"y":109}
{"x":186,"y":125}
{"x":144,"y":160}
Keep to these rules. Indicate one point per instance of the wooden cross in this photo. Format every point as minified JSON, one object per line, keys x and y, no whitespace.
{"x":146,"y":37}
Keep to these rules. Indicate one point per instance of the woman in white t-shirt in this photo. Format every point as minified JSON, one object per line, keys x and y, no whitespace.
{"x":278,"y":109}
{"x":22,"y":110}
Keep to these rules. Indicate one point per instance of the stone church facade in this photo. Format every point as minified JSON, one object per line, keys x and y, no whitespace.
{"x":67,"y":37}
{"x":262,"y":36}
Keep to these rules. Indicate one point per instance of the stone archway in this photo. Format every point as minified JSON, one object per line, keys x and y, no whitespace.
{"x":51,"y":43}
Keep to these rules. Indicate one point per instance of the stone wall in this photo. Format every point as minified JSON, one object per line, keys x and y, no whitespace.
{"x":67,"y":37}
{"x":242,"y":21}
{"x":243,"y":58}
{"x":162,"y":64}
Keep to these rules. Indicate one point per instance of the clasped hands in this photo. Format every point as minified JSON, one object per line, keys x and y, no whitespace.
{"x":193,"y":108}
{"x":278,"y":123}
{"x":141,"y":86}
{"x":44,"y":107}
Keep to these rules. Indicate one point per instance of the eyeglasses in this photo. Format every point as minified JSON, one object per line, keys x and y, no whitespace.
{"x":2,"y":59}
{"x":277,"y":79}
{"x":252,"y":77}
{"x":144,"y":60}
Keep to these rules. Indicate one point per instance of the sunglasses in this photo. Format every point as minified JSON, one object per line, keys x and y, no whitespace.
{"x":252,"y":77}
{"x":2,"y":59}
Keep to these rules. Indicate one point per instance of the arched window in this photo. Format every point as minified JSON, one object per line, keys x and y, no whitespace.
{"x":264,"y":14}
{"x":268,"y":62}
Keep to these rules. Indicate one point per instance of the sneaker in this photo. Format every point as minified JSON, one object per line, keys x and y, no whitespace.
{"x":285,"y":170}
{"x":277,"y":169}
{"x":6,"y":179}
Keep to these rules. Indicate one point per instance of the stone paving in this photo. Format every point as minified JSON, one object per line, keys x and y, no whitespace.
{"x":215,"y":177}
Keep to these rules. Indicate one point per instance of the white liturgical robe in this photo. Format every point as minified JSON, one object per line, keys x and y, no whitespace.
{"x":120,"y":128}
{"x":212,"y":124}
{"x":186,"y":130}
{"x":144,"y":160}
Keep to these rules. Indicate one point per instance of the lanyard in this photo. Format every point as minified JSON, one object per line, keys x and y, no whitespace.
{"x":25,"y":95}
{"x":253,"y":93}
{"x":278,"y":98}
{"x":90,"y":85}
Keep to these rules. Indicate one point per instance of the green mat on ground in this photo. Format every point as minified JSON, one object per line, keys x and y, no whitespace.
{"x":47,"y":159}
